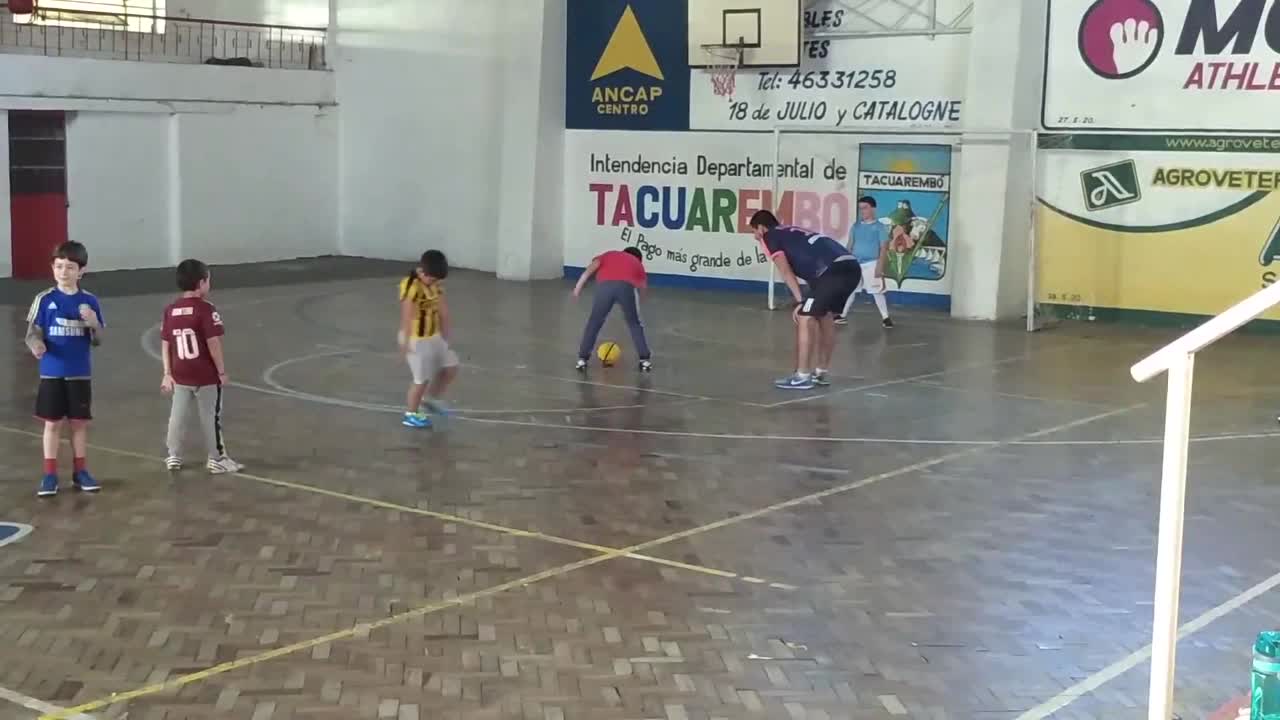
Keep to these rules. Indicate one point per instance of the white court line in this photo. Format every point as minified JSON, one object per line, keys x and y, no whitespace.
{"x":339,"y":350}
{"x":1132,"y":660}
{"x":1015,"y":396}
{"x":375,"y":407}
{"x":37,"y":705}
{"x":23,"y":531}
{"x":268,"y":377}
{"x":901,"y":381}
{"x":284,"y":391}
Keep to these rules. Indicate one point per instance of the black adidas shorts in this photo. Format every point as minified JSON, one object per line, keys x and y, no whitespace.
{"x":828,"y":294}
{"x":62,"y":399}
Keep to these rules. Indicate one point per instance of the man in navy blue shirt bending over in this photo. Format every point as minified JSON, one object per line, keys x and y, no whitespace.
{"x":832,"y":275}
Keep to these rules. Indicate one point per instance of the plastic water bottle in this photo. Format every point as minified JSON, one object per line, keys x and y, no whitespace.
{"x":1266,"y":677}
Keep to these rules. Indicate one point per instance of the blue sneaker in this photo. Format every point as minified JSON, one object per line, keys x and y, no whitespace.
{"x":85,"y":482}
{"x":416,"y":420}
{"x":794,"y":382}
{"x":48,"y":486}
{"x":438,"y":407}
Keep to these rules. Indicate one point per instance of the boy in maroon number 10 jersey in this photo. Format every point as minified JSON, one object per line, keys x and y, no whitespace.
{"x":194,"y":368}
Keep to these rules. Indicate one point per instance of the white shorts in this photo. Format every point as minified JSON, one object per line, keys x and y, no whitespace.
{"x":429,"y":356}
{"x":870,"y":283}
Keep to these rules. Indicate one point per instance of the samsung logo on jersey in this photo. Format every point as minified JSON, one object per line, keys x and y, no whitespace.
{"x":63,"y":327}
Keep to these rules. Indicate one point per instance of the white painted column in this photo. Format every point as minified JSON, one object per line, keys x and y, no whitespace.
{"x":530,"y":225}
{"x":331,"y":37}
{"x":993,"y":185}
{"x":173,"y":167}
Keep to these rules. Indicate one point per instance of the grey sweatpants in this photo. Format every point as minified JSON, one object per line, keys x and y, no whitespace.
{"x":207,"y":400}
{"x":608,"y":294}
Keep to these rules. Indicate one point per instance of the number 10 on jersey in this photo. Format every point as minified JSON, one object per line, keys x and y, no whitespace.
{"x":186,"y":343}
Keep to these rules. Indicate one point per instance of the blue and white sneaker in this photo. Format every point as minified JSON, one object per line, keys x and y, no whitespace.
{"x":85,"y":482}
{"x":48,"y":486}
{"x":416,"y":420}
{"x":794,"y":382}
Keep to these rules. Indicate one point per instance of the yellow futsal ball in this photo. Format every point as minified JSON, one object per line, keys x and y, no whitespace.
{"x":609,"y":353}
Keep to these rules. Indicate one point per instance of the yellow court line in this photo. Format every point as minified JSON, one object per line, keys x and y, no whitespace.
{"x":359,"y":629}
{"x":547,"y":574}
{"x":446,"y":517}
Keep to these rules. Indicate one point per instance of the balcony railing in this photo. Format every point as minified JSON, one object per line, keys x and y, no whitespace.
{"x":161,"y":38}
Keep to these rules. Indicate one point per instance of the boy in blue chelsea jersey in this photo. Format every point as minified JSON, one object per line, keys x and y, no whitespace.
{"x":63,"y":325}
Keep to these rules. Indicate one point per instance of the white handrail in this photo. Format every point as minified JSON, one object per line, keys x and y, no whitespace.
{"x":1178,"y":360}
{"x":1208,"y":333}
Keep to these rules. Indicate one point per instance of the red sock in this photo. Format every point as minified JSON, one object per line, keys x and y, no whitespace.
{"x":78,"y":464}
{"x":50,"y":466}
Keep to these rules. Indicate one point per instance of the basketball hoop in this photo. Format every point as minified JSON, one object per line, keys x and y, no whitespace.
{"x":722,"y":66}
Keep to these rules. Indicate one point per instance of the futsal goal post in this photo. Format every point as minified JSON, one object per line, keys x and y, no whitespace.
{"x":914,"y":175}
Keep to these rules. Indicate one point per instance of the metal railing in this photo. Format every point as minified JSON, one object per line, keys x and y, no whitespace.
{"x":894,"y":18}
{"x":1178,"y":360}
{"x":161,"y":38}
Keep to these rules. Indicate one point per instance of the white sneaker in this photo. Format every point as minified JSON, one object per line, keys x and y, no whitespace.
{"x":172,"y":463}
{"x":223,"y":466}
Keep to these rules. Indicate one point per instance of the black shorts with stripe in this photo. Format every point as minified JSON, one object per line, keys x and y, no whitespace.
{"x":829,"y":292}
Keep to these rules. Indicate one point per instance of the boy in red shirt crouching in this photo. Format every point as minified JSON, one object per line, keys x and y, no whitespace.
{"x":620,"y":277}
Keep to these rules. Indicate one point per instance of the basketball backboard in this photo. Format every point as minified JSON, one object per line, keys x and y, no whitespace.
{"x":766,"y":31}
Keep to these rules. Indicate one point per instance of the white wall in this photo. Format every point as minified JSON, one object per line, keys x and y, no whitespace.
{"x":422,"y":107}
{"x":167,"y":160}
{"x":246,"y":185}
{"x":117,"y":188}
{"x":73,"y":83}
{"x":530,"y":240}
{"x":547,"y":223}
{"x":452,"y":131}
{"x":258,"y":184}
{"x":306,"y":13}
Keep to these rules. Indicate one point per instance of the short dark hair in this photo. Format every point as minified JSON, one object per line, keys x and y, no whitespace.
{"x":868,"y":200}
{"x":190,"y":275}
{"x":635,"y":252}
{"x":73,"y":251}
{"x":764,"y":218}
{"x":434,"y":264}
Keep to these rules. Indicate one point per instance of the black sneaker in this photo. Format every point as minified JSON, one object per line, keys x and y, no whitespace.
{"x":581,"y":366}
{"x":646,"y":366}
{"x":887,"y":323}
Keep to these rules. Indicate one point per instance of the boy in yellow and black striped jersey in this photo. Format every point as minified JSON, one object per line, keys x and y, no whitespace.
{"x":424,"y":338}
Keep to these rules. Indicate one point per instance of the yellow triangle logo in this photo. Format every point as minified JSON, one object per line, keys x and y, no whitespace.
{"x":627,"y":48}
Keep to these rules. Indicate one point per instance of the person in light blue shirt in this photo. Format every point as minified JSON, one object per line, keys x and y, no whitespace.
{"x":869,"y":243}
